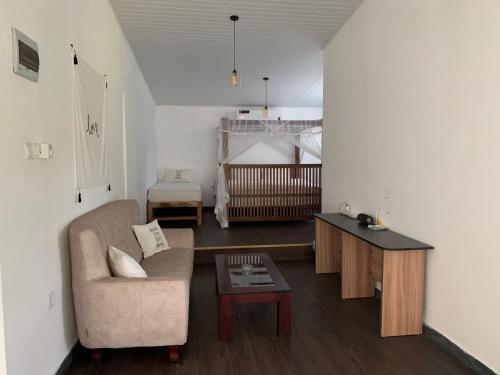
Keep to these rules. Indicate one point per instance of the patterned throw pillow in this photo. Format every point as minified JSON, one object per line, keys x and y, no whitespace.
{"x":178,"y":175}
{"x":151,"y":238}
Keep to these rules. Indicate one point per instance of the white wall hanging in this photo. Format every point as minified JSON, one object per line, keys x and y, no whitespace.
{"x":89,"y":87}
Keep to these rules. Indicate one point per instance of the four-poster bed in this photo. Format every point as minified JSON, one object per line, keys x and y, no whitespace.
{"x":260,"y":192}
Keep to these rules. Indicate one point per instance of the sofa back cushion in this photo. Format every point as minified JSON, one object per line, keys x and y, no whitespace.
{"x":92,"y":233}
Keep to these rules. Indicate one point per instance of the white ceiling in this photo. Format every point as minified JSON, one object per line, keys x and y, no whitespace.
{"x":185,"y":48}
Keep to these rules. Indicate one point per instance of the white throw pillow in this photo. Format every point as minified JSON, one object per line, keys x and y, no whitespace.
{"x":178,"y":175}
{"x":124,"y":265}
{"x":151,"y":238}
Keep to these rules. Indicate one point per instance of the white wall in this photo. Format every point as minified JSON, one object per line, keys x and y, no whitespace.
{"x":412,"y":112}
{"x":37,"y":200}
{"x":3,"y":363}
{"x":187,"y":138}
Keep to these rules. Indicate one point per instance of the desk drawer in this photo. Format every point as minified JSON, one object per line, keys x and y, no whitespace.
{"x":376,"y":263}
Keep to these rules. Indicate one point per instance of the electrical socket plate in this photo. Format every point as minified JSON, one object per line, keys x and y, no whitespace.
{"x":52,"y":299}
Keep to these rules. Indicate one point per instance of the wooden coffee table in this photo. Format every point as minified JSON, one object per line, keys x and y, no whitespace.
{"x":264,"y":285}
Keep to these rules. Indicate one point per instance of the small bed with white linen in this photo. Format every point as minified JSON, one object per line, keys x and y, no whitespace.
{"x":171,"y":197}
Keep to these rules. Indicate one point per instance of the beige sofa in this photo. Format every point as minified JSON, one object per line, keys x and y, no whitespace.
{"x":116,"y":312}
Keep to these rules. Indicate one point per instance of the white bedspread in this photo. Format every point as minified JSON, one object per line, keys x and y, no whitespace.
{"x":175,"y":192}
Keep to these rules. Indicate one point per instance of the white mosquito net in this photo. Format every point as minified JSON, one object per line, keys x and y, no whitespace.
{"x":238,"y":136}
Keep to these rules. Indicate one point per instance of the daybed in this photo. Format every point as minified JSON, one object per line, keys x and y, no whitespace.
{"x":117,"y":312}
{"x":175,"y":195}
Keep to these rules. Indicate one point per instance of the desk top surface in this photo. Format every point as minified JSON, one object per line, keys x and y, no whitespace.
{"x":386,"y":239}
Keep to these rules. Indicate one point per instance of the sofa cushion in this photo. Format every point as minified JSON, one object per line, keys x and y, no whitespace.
{"x":175,"y":264}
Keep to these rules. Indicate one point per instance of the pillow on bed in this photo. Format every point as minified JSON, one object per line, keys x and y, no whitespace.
{"x":178,"y":175}
{"x":151,"y":238}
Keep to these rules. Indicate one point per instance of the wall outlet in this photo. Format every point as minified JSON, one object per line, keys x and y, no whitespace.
{"x":387,"y":201}
{"x":52,"y":299}
{"x":387,"y":194}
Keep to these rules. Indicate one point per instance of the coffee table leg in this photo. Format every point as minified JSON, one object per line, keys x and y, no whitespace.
{"x":285,"y":314}
{"x":225,"y":318}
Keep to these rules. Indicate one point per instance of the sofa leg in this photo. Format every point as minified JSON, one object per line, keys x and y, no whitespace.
{"x":96,"y":355}
{"x":173,"y":353}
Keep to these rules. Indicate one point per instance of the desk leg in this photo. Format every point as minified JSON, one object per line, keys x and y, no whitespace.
{"x":225,"y":317}
{"x":326,"y":252}
{"x":402,"y":293}
{"x":356,"y":278}
{"x":285,"y":314}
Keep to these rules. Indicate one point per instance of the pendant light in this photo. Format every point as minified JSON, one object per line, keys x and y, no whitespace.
{"x":234,"y":77}
{"x":266,"y":112}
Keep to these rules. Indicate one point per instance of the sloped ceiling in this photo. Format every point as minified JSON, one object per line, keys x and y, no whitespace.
{"x":185,"y":48}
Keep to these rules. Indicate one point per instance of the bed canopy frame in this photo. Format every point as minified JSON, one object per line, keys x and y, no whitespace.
{"x":259,"y":192}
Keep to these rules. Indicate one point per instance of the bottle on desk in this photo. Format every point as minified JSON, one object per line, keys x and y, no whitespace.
{"x":378,"y":219}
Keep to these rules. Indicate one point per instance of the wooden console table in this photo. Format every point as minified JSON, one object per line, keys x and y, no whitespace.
{"x":363,"y":256}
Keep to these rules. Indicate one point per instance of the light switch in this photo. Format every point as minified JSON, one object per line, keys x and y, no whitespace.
{"x":38,"y":150}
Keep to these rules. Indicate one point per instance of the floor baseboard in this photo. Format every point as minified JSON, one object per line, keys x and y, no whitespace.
{"x":66,"y":363}
{"x":452,"y":348}
{"x":278,"y":253}
{"x":464,"y":357}
{"x":254,"y":247}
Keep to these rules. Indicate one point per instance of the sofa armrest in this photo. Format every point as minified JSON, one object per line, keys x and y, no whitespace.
{"x":180,"y":237}
{"x":128,"y":312}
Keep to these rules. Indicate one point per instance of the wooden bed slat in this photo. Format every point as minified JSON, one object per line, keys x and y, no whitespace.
{"x":260,"y":192}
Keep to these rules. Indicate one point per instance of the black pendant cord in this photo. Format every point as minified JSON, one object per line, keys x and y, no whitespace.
{"x":234,"y":18}
{"x":266,"y":93}
{"x":266,"y":79}
{"x":234,"y":46}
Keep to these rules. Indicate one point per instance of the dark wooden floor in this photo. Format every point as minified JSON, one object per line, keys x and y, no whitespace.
{"x":210,"y":234}
{"x":330,"y":336}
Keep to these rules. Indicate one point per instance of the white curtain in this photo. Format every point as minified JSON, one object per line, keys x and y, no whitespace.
{"x":90,"y":126}
{"x":243,"y":135}
{"x":311,"y":143}
{"x":238,"y":145}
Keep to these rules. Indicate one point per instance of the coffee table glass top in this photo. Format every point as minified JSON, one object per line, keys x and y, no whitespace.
{"x":248,"y":273}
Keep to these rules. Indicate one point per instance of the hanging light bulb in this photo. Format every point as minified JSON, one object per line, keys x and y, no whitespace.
{"x":266,"y":112}
{"x":234,"y":77}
